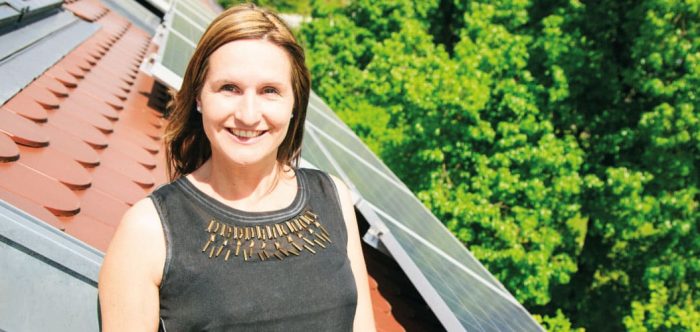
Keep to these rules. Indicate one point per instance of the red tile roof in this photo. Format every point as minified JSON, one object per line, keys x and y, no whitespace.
{"x":73,"y":154}
{"x":80,"y":144}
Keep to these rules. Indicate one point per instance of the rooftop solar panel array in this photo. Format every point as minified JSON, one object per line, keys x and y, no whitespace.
{"x":184,"y":24}
{"x":462,"y":293}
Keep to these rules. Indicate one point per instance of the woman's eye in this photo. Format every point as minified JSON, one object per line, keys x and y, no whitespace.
{"x":229,"y":87}
{"x":269,"y":89}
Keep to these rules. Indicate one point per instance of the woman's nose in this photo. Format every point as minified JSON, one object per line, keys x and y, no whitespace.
{"x":248,"y":111}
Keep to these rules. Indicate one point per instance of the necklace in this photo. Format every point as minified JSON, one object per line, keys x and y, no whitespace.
{"x":280,"y":240}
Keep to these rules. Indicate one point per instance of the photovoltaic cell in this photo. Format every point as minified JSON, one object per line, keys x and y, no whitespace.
{"x":477,"y":306}
{"x":177,"y":54}
{"x":312,"y":153}
{"x":342,"y":134}
{"x":185,"y":27}
{"x":201,"y":19}
{"x":185,"y":22}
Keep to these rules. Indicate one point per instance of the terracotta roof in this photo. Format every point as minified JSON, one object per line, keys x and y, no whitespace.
{"x":80,"y":144}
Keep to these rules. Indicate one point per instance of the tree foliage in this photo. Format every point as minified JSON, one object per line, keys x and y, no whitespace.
{"x":559,"y":141}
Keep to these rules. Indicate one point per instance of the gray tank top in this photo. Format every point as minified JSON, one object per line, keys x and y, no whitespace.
{"x":232,"y":270}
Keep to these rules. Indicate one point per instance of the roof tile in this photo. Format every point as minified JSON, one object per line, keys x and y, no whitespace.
{"x":71,"y":146}
{"x":23,"y":104}
{"x":49,"y":193}
{"x":89,"y":103}
{"x":83,"y":112}
{"x":42,"y":96}
{"x":123,"y":164}
{"x":79,"y":128}
{"x":117,"y":185}
{"x":8,"y":149}
{"x":21,"y":130}
{"x":134,"y":151}
{"x":99,"y":94}
{"x":62,"y":76}
{"x":152,"y":144}
{"x":56,"y":165}
{"x":30,"y":206}
{"x":73,"y":70}
{"x":101,"y":206}
{"x":105,"y":90}
{"x":89,"y":230}
{"x":380,"y":306}
{"x":87,"y":9}
{"x":53,"y":85}
{"x":408,"y":309}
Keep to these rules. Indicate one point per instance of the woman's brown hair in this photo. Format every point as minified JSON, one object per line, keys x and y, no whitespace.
{"x":186,"y":145}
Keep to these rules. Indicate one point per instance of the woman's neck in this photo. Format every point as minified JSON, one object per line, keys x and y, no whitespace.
{"x":243,"y":187}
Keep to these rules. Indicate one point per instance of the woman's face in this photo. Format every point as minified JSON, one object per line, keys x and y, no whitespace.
{"x":247,"y":101}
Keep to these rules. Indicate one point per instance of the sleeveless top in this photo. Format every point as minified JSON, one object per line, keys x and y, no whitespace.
{"x":207,"y":287}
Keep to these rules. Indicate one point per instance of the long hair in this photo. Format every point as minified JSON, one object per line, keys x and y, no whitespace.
{"x":186,"y":145}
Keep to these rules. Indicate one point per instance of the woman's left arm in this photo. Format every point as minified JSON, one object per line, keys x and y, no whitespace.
{"x":364,"y":317}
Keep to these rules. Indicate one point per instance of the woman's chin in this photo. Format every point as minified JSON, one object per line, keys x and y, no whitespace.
{"x":248,"y":159}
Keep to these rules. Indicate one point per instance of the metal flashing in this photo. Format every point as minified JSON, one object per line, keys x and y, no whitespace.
{"x":8,"y":14}
{"x":23,"y":37}
{"x":36,"y":48}
{"x":15,"y":13}
{"x":43,"y":269}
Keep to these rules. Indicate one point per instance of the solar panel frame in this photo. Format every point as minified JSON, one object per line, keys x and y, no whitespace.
{"x":410,"y":243}
{"x":321,"y":120}
{"x":162,"y":5}
{"x":158,"y":70}
{"x":202,"y":19}
{"x":178,"y":28}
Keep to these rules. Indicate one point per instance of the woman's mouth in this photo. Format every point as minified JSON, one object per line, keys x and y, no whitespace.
{"x":245,"y":136}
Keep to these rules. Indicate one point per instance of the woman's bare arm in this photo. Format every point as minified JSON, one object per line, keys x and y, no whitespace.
{"x":364,"y":316}
{"x":132,"y":271}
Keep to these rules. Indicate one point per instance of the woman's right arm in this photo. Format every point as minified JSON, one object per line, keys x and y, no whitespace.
{"x":132,"y":270}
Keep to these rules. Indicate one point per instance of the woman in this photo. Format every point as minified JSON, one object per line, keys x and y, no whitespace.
{"x":240,"y":239}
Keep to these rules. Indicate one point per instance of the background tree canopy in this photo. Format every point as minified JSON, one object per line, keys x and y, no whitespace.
{"x":559,"y":141}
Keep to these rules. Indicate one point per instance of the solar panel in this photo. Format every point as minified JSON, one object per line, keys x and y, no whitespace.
{"x":445,"y":273}
{"x":461,"y":292}
{"x":183,"y":25}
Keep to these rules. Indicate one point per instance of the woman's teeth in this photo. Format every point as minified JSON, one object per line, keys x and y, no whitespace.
{"x":246,"y":133}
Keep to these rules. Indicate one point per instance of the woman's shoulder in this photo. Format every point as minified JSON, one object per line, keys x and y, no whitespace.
{"x":142,"y":217}
{"x":166,"y":188}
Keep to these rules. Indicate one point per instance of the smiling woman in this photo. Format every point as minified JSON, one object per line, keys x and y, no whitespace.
{"x":241,"y":239}
{"x":247,"y":101}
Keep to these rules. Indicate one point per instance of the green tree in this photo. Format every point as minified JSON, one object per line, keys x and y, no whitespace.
{"x":628,"y":67}
{"x":560,"y":141}
{"x":462,"y":129}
